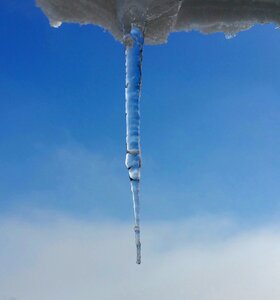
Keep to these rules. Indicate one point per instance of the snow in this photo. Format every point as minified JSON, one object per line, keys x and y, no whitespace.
{"x":160,"y":17}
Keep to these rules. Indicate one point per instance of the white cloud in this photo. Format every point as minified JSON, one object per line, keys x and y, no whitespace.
{"x":72,"y":178}
{"x":197,"y":260}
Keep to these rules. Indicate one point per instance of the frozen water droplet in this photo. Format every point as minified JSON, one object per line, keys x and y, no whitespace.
{"x":230,"y":35}
{"x":55,"y":24}
{"x":134,"y":48}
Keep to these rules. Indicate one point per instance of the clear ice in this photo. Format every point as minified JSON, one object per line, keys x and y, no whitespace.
{"x":133,"y":52}
{"x":155,"y":19}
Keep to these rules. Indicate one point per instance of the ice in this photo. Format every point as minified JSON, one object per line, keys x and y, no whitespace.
{"x":134,"y":22}
{"x":160,"y":17}
{"x":134,"y":47}
{"x":55,"y":24}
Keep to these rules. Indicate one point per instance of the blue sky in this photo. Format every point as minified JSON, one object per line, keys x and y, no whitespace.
{"x":210,"y":122}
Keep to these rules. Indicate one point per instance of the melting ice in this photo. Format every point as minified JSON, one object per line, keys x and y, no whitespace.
{"x":134,"y":22}
{"x":134,"y":46}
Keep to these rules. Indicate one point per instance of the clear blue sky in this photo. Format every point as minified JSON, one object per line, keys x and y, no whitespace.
{"x":210,"y":122}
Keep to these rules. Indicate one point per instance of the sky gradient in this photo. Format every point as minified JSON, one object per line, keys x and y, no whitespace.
{"x":211,"y":153}
{"x":210,"y":125}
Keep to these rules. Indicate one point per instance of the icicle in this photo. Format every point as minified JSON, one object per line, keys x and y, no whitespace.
{"x":134,"y":47}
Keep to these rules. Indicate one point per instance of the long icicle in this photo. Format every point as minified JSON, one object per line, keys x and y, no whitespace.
{"x":134,"y":48}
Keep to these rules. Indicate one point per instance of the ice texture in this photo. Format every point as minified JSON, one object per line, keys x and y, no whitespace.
{"x":134,"y":42}
{"x":160,"y":17}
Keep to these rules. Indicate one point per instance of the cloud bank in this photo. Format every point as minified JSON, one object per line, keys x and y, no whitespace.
{"x":160,"y":17}
{"x":67,"y":259}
